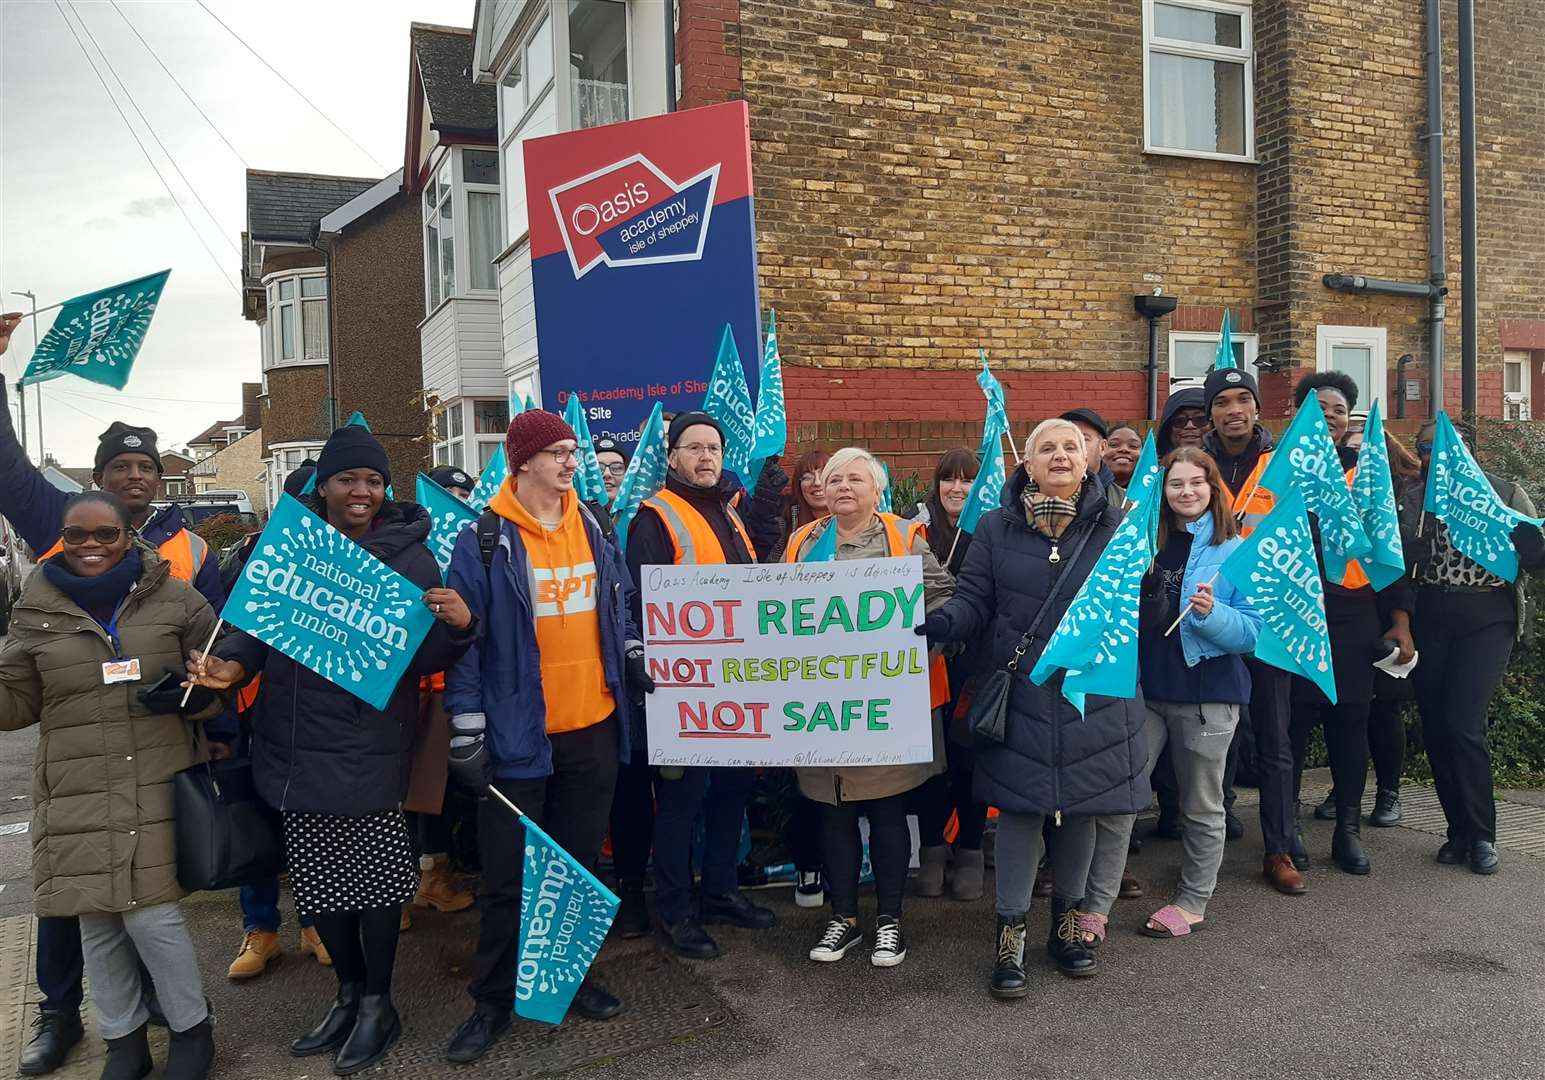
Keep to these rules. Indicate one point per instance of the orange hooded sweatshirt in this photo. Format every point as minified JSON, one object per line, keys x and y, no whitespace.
{"x":568,"y":626}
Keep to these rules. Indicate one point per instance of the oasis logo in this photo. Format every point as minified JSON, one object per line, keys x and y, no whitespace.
{"x":631,"y":214}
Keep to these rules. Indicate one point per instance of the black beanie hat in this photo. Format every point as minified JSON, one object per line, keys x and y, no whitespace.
{"x":449,"y":476}
{"x":1232,"y":378}
{"x":352,"y":447}
{"x":296,"y":482}
{"x":123,"y":438}
{"x":690,"y":419}
{"x":608,"y":445}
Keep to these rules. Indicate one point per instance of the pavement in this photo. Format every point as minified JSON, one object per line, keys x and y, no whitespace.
{"x":1417,"y":970}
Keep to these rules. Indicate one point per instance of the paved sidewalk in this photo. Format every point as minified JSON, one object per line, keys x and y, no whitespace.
{"x":1418,"y":970}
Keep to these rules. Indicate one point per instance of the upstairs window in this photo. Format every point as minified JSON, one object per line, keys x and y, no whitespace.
{"x":1199,"y":78}
{"x":296,"y":332}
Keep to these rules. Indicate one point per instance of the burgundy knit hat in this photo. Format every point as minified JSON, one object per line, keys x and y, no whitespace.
{"x":530,"y":432}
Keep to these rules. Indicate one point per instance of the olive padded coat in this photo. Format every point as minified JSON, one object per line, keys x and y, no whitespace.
{"x":103,"y":837}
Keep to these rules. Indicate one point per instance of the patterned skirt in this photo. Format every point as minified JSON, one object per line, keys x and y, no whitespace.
{"x":349,"y":863}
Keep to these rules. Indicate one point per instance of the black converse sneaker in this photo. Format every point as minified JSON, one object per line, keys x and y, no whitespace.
{"x":838,"y":937}
{"x":890,"y":946}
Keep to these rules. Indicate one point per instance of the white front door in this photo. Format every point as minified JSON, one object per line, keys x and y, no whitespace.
{"x":1516,"y":396}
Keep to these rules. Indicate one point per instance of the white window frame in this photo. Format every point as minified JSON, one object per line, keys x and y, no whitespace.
{"x":1373,"y":338}
{"x":448,"y":162}
{"x":1252,"y":344}
{"x":1170,"y":46}
{"x":283,"y":459}
{"x":444,"y":450}
{"x":273,"y":322}
{"x":1523,"y":401}
{"x":462,"y":191}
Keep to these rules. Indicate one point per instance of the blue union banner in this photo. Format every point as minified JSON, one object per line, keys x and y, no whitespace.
{"x":327,"y":603}
{"x":565,"y":914}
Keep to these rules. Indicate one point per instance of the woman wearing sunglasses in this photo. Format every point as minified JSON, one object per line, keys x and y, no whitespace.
{"x":95,"y":656}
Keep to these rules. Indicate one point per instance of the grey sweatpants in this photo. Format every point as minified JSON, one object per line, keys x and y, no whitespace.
{"x":1018,"y":850}
{"x":113,"y":943}
{"x":1198,"y":738}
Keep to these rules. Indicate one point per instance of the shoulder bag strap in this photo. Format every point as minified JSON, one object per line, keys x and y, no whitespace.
{"x":1056,"y":588}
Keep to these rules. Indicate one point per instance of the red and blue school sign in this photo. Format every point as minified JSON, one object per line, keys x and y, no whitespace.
{"x":643,"y":246}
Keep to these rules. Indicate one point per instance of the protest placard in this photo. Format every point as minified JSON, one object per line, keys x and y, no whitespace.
{"x":789,"y":664}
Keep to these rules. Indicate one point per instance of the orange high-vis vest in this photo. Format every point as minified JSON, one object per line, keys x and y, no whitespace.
{"x":1355,"y":577}
{"x":900,"y":534}
{"x":693,"y":539}
{"x":1253,"y":511}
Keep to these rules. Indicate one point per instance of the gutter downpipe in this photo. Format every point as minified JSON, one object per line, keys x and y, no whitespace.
{"x":1437,"y":269}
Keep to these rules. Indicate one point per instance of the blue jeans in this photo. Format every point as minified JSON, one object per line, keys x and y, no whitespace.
{"x":260,"y":907}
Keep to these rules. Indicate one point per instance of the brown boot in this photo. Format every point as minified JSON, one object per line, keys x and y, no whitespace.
{"x":1283,"y":875}
{"x":311,"y":945}
{"x":258,"y":947}
{"x":405,"y":923}
{"x":1131,"y":888}
{"x":436,"y":890}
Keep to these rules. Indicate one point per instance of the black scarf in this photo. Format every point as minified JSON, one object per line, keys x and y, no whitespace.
{"x":98,"y":596}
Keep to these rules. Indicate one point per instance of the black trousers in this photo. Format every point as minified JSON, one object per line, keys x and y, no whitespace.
{"x":720,"y":794}
{"x":1346,"y":744}
{"x":572,"y":805}
{"x":1387,"y":742}
{"x":890,"y":850}
{"x":633,"y":818}
{"x":802,"y":834}
{"x":60,"y":966}
{"x":1465,"y":638}
{"x":1270,"y":715}
{"x":950,"y":792}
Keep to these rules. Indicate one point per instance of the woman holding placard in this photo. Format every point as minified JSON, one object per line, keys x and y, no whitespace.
{"x":95,"y":656}
{"x":338,"y":769}
{"x":852,"y":481}
{"x":1194,"y":628}
{"x":1026,"y":563}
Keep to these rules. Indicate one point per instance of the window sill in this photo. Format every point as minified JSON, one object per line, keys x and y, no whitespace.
{"x":1203,"y":155}
{"x":521,"y":241}
{"x":281,"y":365}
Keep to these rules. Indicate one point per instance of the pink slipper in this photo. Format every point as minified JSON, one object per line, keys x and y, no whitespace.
{"x":1090,"y":923}
{"x":1173,"y":923}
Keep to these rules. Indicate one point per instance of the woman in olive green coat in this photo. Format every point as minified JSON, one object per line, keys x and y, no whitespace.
{"x":95,"y":628}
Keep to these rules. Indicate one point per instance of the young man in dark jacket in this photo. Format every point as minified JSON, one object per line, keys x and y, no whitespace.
{"x":694,"y":520}
{"x":127,"y":465}
{"x":539,"y":705}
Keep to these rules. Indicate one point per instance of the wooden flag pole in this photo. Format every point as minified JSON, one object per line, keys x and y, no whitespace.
{"x":1013,"y":449}
{"x":210,"y":644}
{"x":953,"y":544}
{"x":1187,"y":608}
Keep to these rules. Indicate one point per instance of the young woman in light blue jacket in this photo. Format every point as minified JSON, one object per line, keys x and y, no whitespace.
{"x":1194,"y":682}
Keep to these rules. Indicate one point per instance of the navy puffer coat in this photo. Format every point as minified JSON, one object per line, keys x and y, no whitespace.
{"x":1053,"y":759}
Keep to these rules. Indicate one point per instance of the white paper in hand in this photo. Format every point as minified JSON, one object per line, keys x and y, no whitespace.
{"x":1392,"y":666}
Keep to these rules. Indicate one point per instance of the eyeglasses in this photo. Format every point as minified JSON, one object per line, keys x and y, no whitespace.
{"x":698,"y":449}
{"x":105,"y":534}
{"x":617,"y":469}
{"x":562,"y":455}
{"x":1191,"y":421}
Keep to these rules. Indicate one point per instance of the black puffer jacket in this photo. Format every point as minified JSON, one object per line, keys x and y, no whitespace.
{"x":1053,"y":760}
{"x":316,"y":748}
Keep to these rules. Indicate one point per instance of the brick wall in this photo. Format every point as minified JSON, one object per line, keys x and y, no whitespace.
{"x":378,"y":300}
{"x":296,"y":407}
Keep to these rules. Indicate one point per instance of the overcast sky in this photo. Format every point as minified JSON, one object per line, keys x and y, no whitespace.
{"x":80,"y":208}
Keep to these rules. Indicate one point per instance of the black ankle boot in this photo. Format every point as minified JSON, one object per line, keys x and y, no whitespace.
{"x":1008,"y":974}
{"x":1346,"y":847}
{"x":128,"y":1058}
{"x":377,"y":1027}
{"x":1065,"y":942}
{"x":192,"y":1053}
{"x":633,"y":915}
{"x":54,"y":1032}
{"x":335,"y":1026}
{"x":1386,"y":808}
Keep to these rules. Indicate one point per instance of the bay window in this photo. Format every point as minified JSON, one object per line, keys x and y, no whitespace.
{"x":296,"y":331}
{"x":461,"y":210}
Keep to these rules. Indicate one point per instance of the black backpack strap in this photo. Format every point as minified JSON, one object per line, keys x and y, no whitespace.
{"x":488,"y":537}
{"x":598,"y":517}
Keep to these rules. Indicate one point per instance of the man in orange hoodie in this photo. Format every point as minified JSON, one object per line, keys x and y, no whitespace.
{"x":539,"y":705}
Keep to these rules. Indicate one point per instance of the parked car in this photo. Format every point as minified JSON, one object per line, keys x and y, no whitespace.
{"x":15,"y":563}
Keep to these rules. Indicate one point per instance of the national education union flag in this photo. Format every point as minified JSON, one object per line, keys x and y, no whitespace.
{"x":772,"y":418}
{"x":992,"y":389}
{"x":987,"y":488}
{"x":1146,"y":473}
{"x":1373,"y":491}
{"x":1458,"y":494}
{"x":1276,"y":568}
{"x":97,"y":336}
{"x":1095,"y":644}
{"x":589,"y":480}
{"x":1306,"y":461}
{"x":645,"y":475}
{"x":729,"y":402}
{"x":448,"y":515}
{"x":489,"y":481}
{"x":319,"y":598}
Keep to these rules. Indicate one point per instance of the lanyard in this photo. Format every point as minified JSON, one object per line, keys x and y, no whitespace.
{"x":111,"y":626}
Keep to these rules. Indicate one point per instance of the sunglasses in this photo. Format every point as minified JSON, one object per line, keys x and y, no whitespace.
{"x":106,"y":534}
{"x":1191,"y":421}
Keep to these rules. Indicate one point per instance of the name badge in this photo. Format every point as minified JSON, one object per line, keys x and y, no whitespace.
{"x":117,"y":671}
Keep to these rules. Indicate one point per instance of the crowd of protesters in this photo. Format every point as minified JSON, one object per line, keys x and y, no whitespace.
{"x":535,"y":690}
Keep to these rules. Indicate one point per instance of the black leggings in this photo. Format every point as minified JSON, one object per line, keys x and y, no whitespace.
{"x":431,"y":833}
{"x":950,"y":792}
{"x":363,"y":945}
{"x":1387,"y":742}
{"x":890,"y":850}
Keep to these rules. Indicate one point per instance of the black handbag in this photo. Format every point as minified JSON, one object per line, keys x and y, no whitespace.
{"x":226,"y":834}
{"x":988,"y":720}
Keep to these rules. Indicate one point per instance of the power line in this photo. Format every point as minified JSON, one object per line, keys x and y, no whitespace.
{"x":143,"y":150}
{"x":151,"y":128}
{"x":212,"y":125}
{"x":147,"y":397}
{"x":314,"y":107}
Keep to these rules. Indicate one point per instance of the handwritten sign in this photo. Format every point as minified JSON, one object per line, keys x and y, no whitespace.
{"x":788,"y":664}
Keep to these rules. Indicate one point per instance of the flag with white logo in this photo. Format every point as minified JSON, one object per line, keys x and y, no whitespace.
{"x":987,"y":488}
{"x":98,"y":335}
{"x":729,"y":402}
{"x":1373,"y":490}
{"x":1458,"y":494}
{"x":490,"y":480}
{"x":993,"y":390}
{"x":645,"y":474}
{"x":448,"y":515}
{"x":565,"y":915}
{"x":589,"y":480}
{"x":772,"y":420}
{"x":1306,"y":461}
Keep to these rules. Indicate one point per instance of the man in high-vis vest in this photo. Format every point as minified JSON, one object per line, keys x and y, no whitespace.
{"x":127,"y":465}
{"x":1242,"y":446}
{"x":694,"y":520}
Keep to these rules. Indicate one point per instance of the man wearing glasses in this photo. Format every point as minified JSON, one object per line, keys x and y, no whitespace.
{"x":693,"y":520}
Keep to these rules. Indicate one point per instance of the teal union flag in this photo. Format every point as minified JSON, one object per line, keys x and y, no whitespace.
{"x":489,"y":481}
{"x":1145,"y":474}
{"x":992,"y":389}
{"x":1095,"y":644}
{"x":448,"y":515}
{"x":645,"y":474}
{"x":565,"y":914}
{"x":1276,"y":568}
{"x":98,"y":336}
{"x":1458,"y":494}
{"x":325,"y":602}
{"x":1225,"y":357}
{"x":825,"y":547}
{"x":729,"y":402}
{"x":1305,"y":460}
{"x":589,"y":480}
{"x":772,"y":419}
{"x":987,"y":488}
{"x":1373,"y":492}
